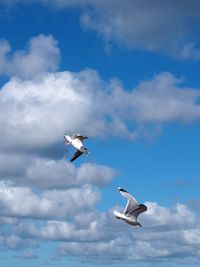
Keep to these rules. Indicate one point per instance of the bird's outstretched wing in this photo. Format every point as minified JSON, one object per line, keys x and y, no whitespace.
{"x":77,"y":154}
{"x":137,"y":211}
{"x":132,"y":203}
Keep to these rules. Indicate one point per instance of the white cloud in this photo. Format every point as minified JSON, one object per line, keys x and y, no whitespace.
{"x":41,"y":55}
{"x":44,"y":173}
{"x":14,"y":242}
{"x":169,"y":234}
{"x":47,"y":204}
{"x":190,"y":50}
{"x":192,"y":236}
{"x":168,"y":239}
{"x":43,"y":109}
{"x":8,"y":220}
{"x":96,"y":236}
{"x":179,"y":215}
{"x":61,"y":174}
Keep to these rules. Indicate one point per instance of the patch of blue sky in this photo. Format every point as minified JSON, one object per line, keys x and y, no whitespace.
{"x":154,"y":169}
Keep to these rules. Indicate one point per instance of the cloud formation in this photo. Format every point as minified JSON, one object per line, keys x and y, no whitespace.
{"x":166,"y":235}
{"x":146,"y":25}
{"x":169,"y":234}
{"x":41,"y":55}
{"x":44,"y":173}
{"x":68,"y":215}
{"x":82,"y":102}
{"x":171,"y":27}
{"x":46,"y":204}
{"x":56,"y":201}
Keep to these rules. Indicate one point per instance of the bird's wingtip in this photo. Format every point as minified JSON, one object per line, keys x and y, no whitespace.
{"x":120,"y":189}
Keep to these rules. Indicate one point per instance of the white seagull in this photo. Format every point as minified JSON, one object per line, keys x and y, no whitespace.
{"x":132,"y":210}
{"x":77,"y":142}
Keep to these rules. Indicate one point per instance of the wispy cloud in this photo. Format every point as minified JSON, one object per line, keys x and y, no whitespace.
{"x":171,"y":27}
{"x":159,"y":27}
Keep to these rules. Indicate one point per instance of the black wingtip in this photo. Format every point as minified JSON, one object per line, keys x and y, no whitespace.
{"x":121,"y":190}
{"x":72,"y":159}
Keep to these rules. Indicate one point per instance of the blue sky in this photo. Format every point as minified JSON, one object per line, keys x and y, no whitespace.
{"x":126,"y":74}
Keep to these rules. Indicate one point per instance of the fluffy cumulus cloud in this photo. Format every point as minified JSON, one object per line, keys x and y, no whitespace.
{"x":47,"y":204}
{"x":44,"y":173}
{"x":168,"y":235}
{"x":140,"y":24}
{"x":82,"y":102}
{"x":11,"y":241}
{"x":39,"y":191}
{"x":68,"y":215}
{"x":41,"y":55}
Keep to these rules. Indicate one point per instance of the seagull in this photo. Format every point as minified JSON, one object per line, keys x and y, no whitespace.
{"x":77,"y":142}
{"x":132,"y":210}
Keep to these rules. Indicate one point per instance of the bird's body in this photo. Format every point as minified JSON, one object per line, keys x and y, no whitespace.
{"x":77,"y":142}
{"x":132,"y":210}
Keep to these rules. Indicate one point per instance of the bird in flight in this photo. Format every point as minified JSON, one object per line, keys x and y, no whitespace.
{"x":77,"y":142}
{"x":132,"y":211}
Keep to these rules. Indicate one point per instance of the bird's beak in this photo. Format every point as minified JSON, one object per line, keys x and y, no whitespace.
{"x":140,"y":225}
